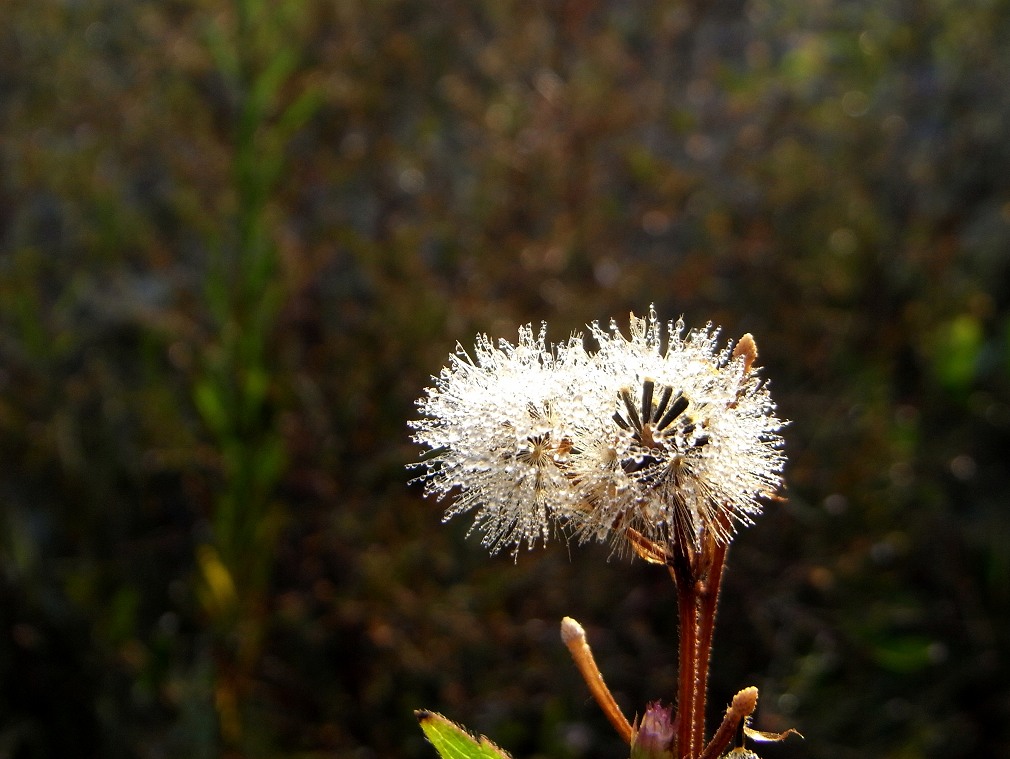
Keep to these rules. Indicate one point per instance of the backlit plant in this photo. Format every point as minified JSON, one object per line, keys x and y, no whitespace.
{"x":658,"y":447}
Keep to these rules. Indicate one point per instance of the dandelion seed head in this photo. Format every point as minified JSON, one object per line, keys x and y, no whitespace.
{"x":494,"y":424}
{"x":662,"y":432}
{"x":694,"y":432}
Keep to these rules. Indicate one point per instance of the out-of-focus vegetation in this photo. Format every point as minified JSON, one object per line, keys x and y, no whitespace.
{"x":238,"y":237}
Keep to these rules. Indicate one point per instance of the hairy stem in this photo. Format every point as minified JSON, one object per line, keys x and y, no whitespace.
{"x":742,"y":707}
{"x":708,"y":602}
{"x":687,"y":608}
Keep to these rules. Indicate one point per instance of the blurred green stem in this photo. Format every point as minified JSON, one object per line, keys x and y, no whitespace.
{"x":234,"y":391}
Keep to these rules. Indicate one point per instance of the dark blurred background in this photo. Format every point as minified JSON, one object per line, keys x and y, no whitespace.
{"x":237,"y":238}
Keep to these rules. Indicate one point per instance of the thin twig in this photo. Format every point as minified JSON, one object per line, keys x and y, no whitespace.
{"x":574,"y":637}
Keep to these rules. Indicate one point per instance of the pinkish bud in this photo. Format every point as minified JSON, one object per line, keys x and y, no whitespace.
{"x":656,"y":734}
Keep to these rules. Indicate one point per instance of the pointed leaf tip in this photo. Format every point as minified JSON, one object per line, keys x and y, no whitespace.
{"x":451,"y":741}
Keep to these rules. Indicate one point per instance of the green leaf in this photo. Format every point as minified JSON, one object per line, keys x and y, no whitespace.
{"x":453,"y":742}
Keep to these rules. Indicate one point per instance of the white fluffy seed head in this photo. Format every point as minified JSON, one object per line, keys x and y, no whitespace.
{"x":673,"y":441}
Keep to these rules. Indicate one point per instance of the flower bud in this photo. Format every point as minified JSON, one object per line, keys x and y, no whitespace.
{"x":656,"y":734}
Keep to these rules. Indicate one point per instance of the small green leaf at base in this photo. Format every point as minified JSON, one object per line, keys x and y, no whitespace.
{"x":453,"y":742}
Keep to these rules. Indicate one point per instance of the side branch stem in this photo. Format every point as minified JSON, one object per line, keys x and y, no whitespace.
{"x":574,"y":637}
{"x":738,"y":711}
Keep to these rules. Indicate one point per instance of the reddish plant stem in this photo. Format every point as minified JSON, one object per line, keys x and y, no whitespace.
{"x":708,"y":601}
{"x":687,"y":607}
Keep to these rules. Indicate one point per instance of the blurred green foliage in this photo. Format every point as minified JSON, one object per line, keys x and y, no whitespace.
{"x":237,"y":237}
